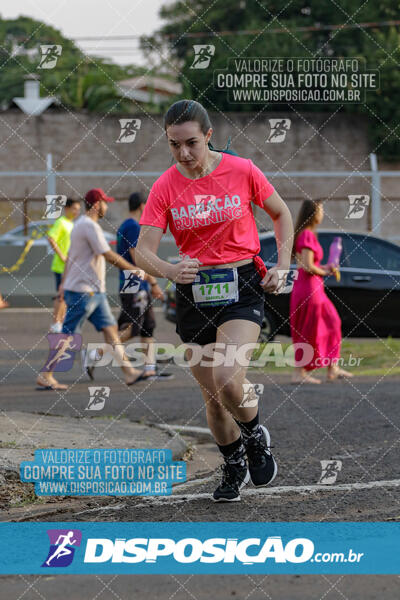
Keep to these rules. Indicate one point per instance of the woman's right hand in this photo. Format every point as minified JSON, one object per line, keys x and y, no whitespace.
{"x":185,"y":271}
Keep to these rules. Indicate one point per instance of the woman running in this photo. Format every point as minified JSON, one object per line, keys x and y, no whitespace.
{"x":313,"y":317}
{"x":205,"y":198}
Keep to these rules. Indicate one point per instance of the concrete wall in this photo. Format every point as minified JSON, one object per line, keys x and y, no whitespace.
{"x":316,"y":141}
{"x":82,"y":142}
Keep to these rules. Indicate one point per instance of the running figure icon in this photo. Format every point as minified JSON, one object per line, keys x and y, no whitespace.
{"x":129,"y":129}
{"x":330,"y":471}
{"x":203,"y":55}
{"x":62,"y":346}
{"x":132,"y":282}
{"x":62,"y":549}
{"x":357,"y":207}
{"x":98,"y":396}
{"x":50,"y":55}
{"x":279,"y":129}
{"x":54,"y":206}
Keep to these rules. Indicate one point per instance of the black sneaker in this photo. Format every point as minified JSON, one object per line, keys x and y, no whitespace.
{"x":234,"y":477}
{"x":262,"y":465}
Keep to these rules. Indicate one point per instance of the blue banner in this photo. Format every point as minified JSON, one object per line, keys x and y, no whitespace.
{"x":200,"y":548}
{"x":103,"y":472}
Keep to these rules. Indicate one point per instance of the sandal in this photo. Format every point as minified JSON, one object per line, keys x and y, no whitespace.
{"x":140,"y":378}
{"x":45,"y":388}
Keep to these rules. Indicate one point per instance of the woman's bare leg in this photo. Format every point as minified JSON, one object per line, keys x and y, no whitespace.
{"x":230,"y":379}
{"x":220,"y":421}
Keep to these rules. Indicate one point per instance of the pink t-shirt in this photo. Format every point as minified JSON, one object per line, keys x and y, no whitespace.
{"x":308,"y":239}
{"x":211,"y":218}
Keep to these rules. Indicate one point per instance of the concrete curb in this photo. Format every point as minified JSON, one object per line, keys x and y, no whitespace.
{"x":23,"y":433}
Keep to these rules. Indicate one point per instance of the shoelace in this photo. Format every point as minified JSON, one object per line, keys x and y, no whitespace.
{"x":257,"y":447}
{"x":229,"y":473}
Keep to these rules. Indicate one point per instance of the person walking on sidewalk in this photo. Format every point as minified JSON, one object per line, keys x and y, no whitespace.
{"x":59,"y":238}
{"x":313,"y":318}
{"x":137,"y":314}
{"x":84,"y":286}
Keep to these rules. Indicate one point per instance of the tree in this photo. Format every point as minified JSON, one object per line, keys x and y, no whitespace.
{"x":205,"y":23}
{"x":79,"y":82}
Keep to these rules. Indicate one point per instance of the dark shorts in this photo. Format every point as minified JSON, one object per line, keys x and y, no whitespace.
{"x":58,"y":278}
{"x":137,"y":310}
{"x":199,"y":325}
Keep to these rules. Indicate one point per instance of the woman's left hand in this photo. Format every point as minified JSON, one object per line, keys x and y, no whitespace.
{"x":274,"y":280}
{"x":329,"y":269}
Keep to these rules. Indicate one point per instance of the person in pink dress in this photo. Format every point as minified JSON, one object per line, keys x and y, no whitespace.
{"x":313,"y":318}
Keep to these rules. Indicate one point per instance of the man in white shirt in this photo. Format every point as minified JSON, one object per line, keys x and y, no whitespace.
{"x":84,"y":287}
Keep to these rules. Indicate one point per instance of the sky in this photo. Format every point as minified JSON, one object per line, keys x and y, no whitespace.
{"x":81,"y":18}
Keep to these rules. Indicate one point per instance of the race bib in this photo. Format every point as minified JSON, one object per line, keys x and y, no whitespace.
{"x":216,"y":287}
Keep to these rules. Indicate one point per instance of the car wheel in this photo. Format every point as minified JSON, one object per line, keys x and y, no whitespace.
{"x":268,"y":328}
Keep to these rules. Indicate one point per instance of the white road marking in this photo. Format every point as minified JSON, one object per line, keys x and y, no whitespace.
{"x":111,"y":507}
{"x":184,"y":428}
{"x":273,"y":491}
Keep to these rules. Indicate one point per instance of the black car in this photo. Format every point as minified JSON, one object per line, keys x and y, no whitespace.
{"x":367,"y":297}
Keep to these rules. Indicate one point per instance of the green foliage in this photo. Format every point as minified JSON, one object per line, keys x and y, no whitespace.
{"x":379,"y":46}
{"x":78,"y":81}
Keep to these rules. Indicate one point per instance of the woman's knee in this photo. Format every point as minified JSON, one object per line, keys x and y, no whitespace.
{"x":228,"y":386}
{"x":214,"y":406}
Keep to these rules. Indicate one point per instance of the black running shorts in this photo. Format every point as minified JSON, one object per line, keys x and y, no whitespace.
{"x":199,"y":325}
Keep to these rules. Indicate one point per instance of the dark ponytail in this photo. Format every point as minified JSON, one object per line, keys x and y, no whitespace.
{"x":226,"y":149}
{"x":190,"y":110}
{"x":305,"y":218}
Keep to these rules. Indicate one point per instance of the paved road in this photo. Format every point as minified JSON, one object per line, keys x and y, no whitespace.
{"x":197,"y":587}
{"x":354,"y":422}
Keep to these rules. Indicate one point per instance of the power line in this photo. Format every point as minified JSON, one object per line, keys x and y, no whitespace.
{"x":121,"y":49}
{"x":316,"y":27}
